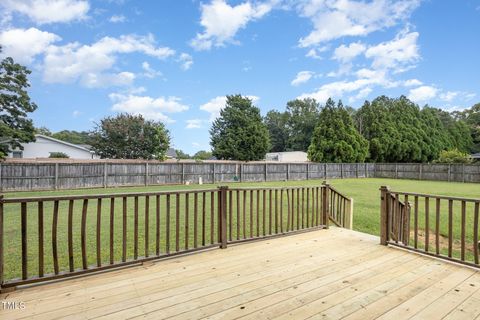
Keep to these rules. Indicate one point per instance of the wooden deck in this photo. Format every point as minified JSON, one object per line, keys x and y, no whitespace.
{"x":326,"y":274}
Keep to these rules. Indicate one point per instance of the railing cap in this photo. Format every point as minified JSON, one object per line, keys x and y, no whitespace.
{"x":385,"y":188}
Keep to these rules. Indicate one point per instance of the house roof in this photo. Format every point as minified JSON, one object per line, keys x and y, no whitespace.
{"x":171,"y":153}
{"x":476,"y":155}
{"x":63,"y":142}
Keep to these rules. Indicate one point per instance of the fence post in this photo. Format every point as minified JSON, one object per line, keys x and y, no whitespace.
{"x":288,"y":171}
{"x":222,"y":217}
{"x":105,"y":176}
{"x":146,"y":174}
{"x":341,"y":170}
{"x":463,"y":173}
{"x":56,"y":176}
{"x":1,"y":242}
{"x":349,"y":214}
{"x":213,"y":173}
{"x":325,"y":203}
{"x":265,"y":176}
{"x":396,"y":170}
{"x":449,"y":172}
{"x":308,"y":170}
{"x":420,"y":172}
{"x":241,"y":172}
{"x":183,"y":173}
{"x":384,"y":195}
{"x":324,"y":171}
{"x":366,"y":170}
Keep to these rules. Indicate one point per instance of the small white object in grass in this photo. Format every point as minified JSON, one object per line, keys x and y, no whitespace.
{"x":200,"y":181}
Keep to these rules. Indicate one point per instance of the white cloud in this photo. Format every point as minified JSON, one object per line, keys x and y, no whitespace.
{"x":149,"y":72}
{"x":24,"y":44}
{"x":194,"y":123}
{"x":422,"y":94}
{"x":76,"y":113}
{"x":335,"y":19}
{"x":302,"y":77}
{"x":449,"y":95}
{"x":150,"y":108}
{"x":221,"y":22}
{"x":398,"y":54}
{"x":347,"y":53}
{"x":186,"y":60}
{"x":90,"y":64}
{"x":412,"y":83}
{"x":99,"y":80}
{"x":215,"y":105}
{"x":49,"y":11}
{"x":117,"y":18}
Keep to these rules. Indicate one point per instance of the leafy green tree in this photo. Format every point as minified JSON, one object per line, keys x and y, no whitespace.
{"x":202,"y":155}
{"x":182,"y":155}
{"x":301,"y":121}
{"x":15,"y":105}
{"x":75,"y":137}
{"x":472,"y":118}
{"x":127,"y":136}
{"x":239,"y":133}
{"x":43,"y":131}
{"x":335,"y":138}
{"x":58,"y":155}
{"x":453,"y":156}
{"x":276,"y":123}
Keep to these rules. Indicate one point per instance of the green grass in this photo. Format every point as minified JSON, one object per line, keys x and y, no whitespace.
{"x":365,"y":193}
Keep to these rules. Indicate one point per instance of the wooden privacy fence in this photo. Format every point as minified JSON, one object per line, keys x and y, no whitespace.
{"x":45,"y":238}
{"x":24,"y":176}
{"x":441,"y":226}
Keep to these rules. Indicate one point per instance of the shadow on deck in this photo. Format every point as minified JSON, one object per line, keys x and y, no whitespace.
{"x":327,"y":274}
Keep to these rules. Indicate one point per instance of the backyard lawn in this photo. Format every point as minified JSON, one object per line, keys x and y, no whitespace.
{"x":365,"y":193}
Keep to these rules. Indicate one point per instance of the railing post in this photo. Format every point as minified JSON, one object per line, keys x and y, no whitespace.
{"x":325,"y":203}
{"x":1,"y":243}
{"x":384,"y":235}
{"x":222,"y":217}
{"x":349,"y":215}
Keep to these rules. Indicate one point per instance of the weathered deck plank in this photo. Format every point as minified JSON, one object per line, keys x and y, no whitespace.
{"x":328,"y":274}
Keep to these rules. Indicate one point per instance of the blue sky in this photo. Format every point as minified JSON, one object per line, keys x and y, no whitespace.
{"x":175,"y":61}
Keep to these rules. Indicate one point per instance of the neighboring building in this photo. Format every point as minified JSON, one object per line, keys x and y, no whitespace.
{"x":288,"y":156}
{"x":476,"y":156}
{"x":44,"y":146}
{"x":171,"y":153}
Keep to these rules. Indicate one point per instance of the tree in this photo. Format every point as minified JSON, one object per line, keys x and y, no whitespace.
{"x":202,"y":155}
{"x":301,"y":121}
{"x":239,"y":133}
{"x":453,"y":156}
{"x":75,"y":137}
{"x":127,"y":136}
{"x":335,"y":138}
{"x":182,"y":155}
{"x":58,"y":155}
{"x":276,"y":123}
{"x":15,"y":105}
{"x":472,"y":118}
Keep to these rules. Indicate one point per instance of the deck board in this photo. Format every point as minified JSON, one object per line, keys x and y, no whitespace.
{"x":327,"y":274}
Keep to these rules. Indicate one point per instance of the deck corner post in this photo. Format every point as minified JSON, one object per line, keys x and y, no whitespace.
{"x":349,"y":215}
{"x":1,"y":243}
{"x":222,"y":217}
{"x":384,"y":190}
{"x":325,"y":203}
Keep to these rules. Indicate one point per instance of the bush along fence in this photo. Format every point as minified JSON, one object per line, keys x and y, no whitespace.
{"x":45,"y":238}
{"x":51,"y":176}
{"x":441,"y":226}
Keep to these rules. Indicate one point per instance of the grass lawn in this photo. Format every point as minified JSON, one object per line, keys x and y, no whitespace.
{"x":365,"y":193}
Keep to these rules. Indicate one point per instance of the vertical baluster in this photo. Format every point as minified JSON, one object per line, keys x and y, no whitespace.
{"x":99,"y":229}
{"x":112,"y":229}
{"x":167,"y":226}
{"x":427,"y":221}
{"x":437,"y":226}
{"x":288,"y":210}
{"x":317,"y":206}
{"x":41,"y":267}
{"x":264,"y":211}
{"x":135,"y":229}
{"x":270,"y":199}
{"x":204,"y":215}
{"x":124,"y":230}
{"x":71,"y":263}
{"x":195,"y":220}
{"x":303,"y":208}
{"x":84,"y":234}
{"x":147,"y":225}
{"x":406,"y":232}
{"x":212,"y":215}
{"x":54,"y":237}
{"x":186,"y":220}
{"x":475,"y":233}
{"x":251,"y":213}
{"x":230,"y":215}
{"x":244,"y":215}
{"x":415,"y":223}
{"x":450,"y":228}
{"x":298,"y":209}
{"x":177,"y":222}
{"x":281,"y":210}
{"x":238,"y":214}
{"x":24,"y":241}
{"x":258,"y":213}
{"x":463,"y":232}
{"x":157,"y":225}
{"x":308,"y":207}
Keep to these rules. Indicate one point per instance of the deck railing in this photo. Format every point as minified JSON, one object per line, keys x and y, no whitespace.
{"x":442,"y":226}
{"x":45,"y":238}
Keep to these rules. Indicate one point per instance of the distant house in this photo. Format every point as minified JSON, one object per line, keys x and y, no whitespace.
{"x":171,"y":153}
{"x":476,"y":156}
{"x":44,"y":146}
{"x":287,"y":156}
